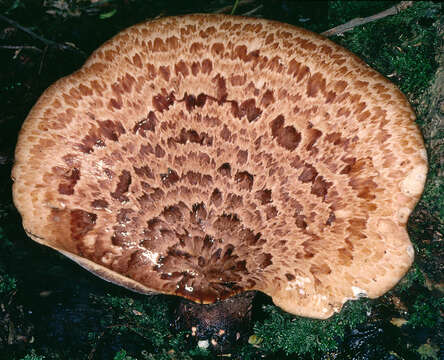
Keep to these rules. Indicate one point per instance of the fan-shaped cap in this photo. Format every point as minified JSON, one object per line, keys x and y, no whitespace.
{"x":206,"y":155}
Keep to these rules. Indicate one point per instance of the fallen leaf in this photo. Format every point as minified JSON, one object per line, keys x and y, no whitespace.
{"x":398,"y":321}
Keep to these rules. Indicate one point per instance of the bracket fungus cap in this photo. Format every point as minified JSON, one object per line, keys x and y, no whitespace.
{"x":205,"y":155}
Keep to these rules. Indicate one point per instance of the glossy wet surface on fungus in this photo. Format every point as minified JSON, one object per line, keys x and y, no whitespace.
{"x":207,"y":155}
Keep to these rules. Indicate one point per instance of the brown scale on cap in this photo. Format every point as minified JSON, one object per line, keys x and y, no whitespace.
{"x":207,"y":155}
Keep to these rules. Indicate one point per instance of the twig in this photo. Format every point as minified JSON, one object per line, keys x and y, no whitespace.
{"x":230,"y":8}
{"x":233,"y":10}
{"x":41,"y":38}
{"x":360,"y":21}
{"x":31,"y":33}
{"x":251,"y":12}
{"x":42,"y":59}
{"x":20,"y":47}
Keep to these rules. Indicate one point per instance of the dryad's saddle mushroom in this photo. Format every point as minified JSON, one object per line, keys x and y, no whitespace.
{"x":206,"y":155}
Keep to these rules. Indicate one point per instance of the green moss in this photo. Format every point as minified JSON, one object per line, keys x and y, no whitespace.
{"x":7,"y":284}
{"x":121,"y":355}
{"x":428,"y":351}
{"x":296,"y":335}
{"x":33,"y":356}
{"x":149,"y":320}
{"x":173,"y":355}
{"x":413,"y":277}
{"x":426,"y":311}
{"x":164,"y":354}
{"x":400,"y":47}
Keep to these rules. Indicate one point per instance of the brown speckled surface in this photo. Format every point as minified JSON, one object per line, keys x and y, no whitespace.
{"x":205,"y":155}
